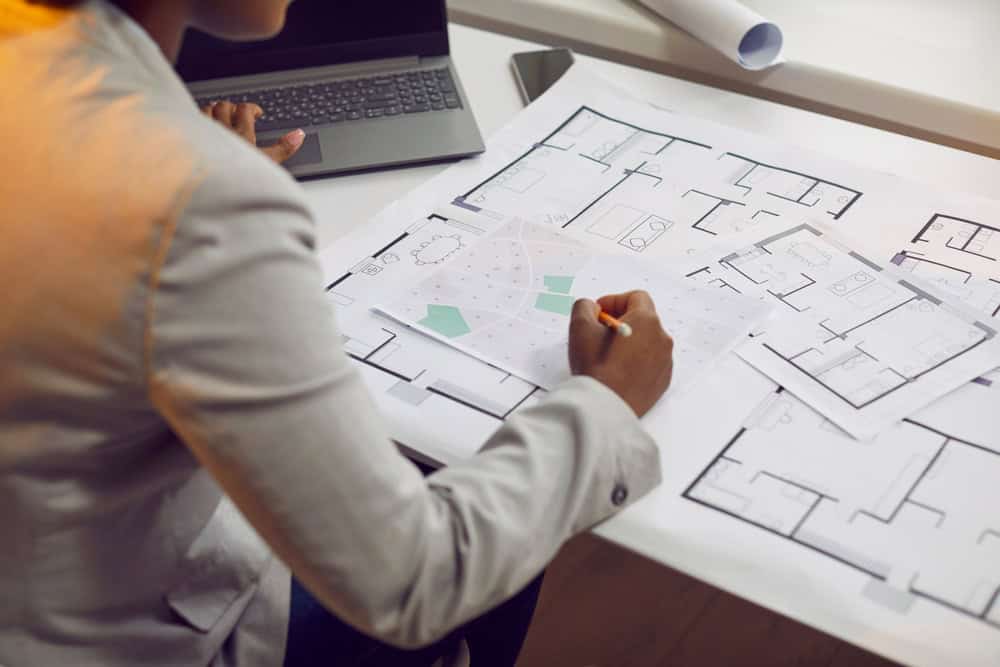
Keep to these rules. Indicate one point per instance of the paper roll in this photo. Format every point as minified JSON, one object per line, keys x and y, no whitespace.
{"x":739,"y":33}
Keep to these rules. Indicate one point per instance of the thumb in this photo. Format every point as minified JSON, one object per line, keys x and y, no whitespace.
{"x":587,"y":337}
{"x":286,"y":147}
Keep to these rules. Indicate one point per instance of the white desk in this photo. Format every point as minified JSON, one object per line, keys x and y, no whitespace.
{"x":344,"y":203}
{"x":922,"y":67}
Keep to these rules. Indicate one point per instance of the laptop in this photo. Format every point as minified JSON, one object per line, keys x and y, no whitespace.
{"x":371,"y":84}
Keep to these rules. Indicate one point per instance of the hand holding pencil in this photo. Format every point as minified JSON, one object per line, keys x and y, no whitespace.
{"x":620,"y":342}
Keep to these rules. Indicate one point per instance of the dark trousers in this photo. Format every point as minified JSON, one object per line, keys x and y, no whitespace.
{"x":318,"y":638}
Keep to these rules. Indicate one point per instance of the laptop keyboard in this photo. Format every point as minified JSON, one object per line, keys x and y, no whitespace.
{"x":291,"y":107}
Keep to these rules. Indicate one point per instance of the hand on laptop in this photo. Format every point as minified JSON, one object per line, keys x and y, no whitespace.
{"x":241,"y":119}
{"x":638,"y":367}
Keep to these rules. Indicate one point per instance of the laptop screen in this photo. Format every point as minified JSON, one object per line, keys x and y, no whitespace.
{"x":323,"y":32}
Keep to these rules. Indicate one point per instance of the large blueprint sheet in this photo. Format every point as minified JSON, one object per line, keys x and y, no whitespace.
{"x":891,"y":543}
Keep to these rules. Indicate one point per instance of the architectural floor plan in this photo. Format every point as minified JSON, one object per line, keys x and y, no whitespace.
{"x":507,"y":300}
{"x":863,"y":347}
{"x":410,"y":373}
{"x":622,"y":184}
{"x":890,"y":540}
{"x":612,"y":183}
{"x":917,"y":509}
{"x":963,"y":256}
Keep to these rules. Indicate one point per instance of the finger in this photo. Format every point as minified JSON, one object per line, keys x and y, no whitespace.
{"x":286,"y":147}
{"x":244,"y":118}
{"x":207,"y":109}
{"x":223,"y":112}
{"x":584,"y":311}
{"x":583,"y":322}
{"x":620,"y":304}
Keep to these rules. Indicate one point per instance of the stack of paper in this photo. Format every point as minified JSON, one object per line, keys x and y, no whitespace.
{"x":846,"y":445}
{"x":507,"y":300}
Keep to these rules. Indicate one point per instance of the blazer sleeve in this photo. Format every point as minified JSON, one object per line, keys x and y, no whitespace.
{"x":245,"y":364}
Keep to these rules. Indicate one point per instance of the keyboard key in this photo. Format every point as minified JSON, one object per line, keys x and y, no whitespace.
{"x":451,"y":102}
{"x":437,"y":106}
{"x":416,"y":108}
{"x":392,"y":111}
{"x":276,"y":124}
{"x":353,"y":115}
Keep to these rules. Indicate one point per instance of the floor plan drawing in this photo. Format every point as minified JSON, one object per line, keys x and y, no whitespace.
{"x":508,"y":299}
{"x":850,"y":337}
{"x":914,"y":509}
{"x":962,"y":256}
{"x":861,"y":496}
{"x":958,"y":235}
{"x":630,"y":186}
{"x":404,"y":367}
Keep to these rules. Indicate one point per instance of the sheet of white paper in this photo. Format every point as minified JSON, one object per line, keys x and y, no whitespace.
{"x":507,"y":299}
{"x":947,"y":239}
{"x":443,"y":404}
{"x":740,"y":34}
{"x":891,"y":541}
{"x":856,"y":341}
{"x":970,"y":413}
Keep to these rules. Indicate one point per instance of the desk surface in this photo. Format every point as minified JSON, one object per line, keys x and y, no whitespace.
{"x":343,"y":204}
{"x":922,"y":67}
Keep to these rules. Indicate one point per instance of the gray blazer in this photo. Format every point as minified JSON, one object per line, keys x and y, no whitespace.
{"x":165,"y":346}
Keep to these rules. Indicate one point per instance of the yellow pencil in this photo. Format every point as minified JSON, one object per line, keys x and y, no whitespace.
{"x":619,"y":327}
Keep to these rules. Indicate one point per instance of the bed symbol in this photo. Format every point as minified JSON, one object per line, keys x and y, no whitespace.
{"x":852,"y":283}
{"x":643,"y":234}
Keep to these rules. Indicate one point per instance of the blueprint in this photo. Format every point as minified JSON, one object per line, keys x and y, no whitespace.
{"x":888,"y":542}
{"x":595,"y":174}
{"x":507,"y":301}
{"x":860,"y":344}
{"x":952,"y":241}
{"x":917,"y":510}
{"x":646,"y":191}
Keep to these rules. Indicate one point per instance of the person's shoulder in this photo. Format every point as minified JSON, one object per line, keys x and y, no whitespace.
{"x":231,"y":171}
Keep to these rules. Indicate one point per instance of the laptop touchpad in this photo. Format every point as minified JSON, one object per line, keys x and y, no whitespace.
{"x":309,"y":153}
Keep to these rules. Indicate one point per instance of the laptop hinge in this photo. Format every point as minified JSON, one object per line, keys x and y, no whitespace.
{"x":308,"y":74}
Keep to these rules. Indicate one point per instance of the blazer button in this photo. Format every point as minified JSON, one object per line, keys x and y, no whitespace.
{"x":619,"y":495}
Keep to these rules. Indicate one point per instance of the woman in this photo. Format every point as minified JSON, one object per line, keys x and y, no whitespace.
{"x":175,"y":407}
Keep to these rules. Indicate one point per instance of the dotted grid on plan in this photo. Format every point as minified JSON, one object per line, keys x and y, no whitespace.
{"x":507,"y":300}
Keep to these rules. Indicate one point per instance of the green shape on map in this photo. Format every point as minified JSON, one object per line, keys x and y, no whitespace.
{"x":446,"y":320}
{"x":560,"y":304}
{"x":561,"y":284}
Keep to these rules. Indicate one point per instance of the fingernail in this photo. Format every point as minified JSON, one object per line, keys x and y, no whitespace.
{"x":295,"y":138}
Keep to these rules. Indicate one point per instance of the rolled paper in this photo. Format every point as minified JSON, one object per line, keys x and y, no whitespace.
{"x":742,"y":35}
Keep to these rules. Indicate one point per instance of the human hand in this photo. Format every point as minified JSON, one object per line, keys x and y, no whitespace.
{"x":637,"y":368}
{"x":241,"y":119}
